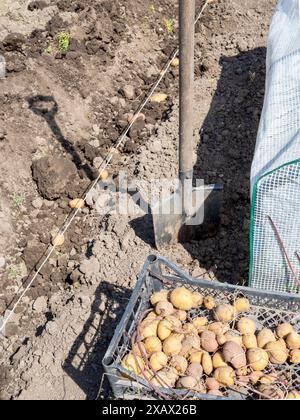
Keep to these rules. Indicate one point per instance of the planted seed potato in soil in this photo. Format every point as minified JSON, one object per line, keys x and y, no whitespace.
{"x":75,"y":73}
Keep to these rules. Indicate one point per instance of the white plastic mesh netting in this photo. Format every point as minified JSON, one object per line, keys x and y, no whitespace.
{"x":275,"y":173}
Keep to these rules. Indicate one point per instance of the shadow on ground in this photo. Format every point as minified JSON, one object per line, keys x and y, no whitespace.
{"x":84,"y":361}
{"x":47,"y":108}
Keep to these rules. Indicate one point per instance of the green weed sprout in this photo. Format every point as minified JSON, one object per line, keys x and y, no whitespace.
{"x":14,"y":272}
{"x":169,"y":25}
{"x":18,"y":199}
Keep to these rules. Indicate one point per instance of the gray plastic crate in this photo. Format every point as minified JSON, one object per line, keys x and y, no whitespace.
{"x":267,"y":309}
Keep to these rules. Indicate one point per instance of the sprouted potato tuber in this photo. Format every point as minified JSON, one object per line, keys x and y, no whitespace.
{"x":164,"y":308}
{"x":265,"y":336}
{"x":277,"y":352}
{"x":246,"y":326}
{"x":212,"y":384}
{"x":293,"y":340}
{"x":295,"y":356}
{"x":271,"y":392}
{"x":187,"y":382}
{"x":166,"y":326}
{"x":77,"y":203}
{"x":159,"y":97}
{"x":180,"y":314}
{"x":197,"y":299}
{"x":207,"y":364}
{"x":158,"y":360}
{"x":218,"y":360}
{"x":139,"y":349}
{"x":164,"y":329}
{"x":234,"y":354}
{"x":209,"y":302}
{"x":241,"y":305}
{"x":268,"y":379}
{"x":172,"y":345}
{"x":196,"y":357}
{"x":181,"y":347}
{"x":293,"y":395}
{"x":195,"y":370}
{"x":249,"y":341}
{"x":179,"y":363}
{"x":218,"y":328}
{"x":200,"y":321}
{"x":148,"y":328}
{"x":58,"y":240}
{"x":224,"y":312}
{"x":225,"y":375}
{"x":233,"y":335}
{"x":190,"y":343}
{"x":153,"y":344}
{"x":209,"y":342}
{"x":162,"y":295}
{"x":133,"y":363}
{"x":175,"y":322}
{"x":283,"y":330}
{"x":258,"y":358}
{"x":189,"y":328}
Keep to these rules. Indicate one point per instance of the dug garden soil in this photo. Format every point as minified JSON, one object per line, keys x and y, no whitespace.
{"x":75,"y":71}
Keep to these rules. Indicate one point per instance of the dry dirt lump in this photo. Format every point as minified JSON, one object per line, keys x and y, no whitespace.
{"x":13,"y":42}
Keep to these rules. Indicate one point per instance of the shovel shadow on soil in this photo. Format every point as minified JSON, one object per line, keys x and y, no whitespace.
{"x":47,"y":108}
{"x":84,"y":361}
{"x":225,"y":153}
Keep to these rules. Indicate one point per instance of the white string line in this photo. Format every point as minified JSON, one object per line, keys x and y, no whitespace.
{"x":101,"y":169}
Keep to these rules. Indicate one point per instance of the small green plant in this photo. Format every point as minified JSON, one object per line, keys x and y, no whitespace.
{"x":63,"y":41}
{"x":14,"y":272}
{"x":169,"y":24}
{"x":18,"y":199}
{"x":49,"y":49}
{"x":152,"y":8}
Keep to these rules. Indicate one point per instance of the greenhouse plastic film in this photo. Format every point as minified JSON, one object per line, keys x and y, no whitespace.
{"x":275,"y":174}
